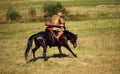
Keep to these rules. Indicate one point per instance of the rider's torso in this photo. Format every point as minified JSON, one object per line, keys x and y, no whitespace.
{"x":56,"y":19}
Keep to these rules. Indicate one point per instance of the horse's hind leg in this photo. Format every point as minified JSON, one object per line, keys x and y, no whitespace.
{"x":33,"y":51}
{"x":60,"y":51}
{"x":44,"y":52}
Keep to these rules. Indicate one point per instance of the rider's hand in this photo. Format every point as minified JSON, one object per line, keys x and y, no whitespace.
{"x":62,"y":25}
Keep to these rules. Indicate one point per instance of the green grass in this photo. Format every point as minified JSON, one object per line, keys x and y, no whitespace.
{"x":98,"y":49}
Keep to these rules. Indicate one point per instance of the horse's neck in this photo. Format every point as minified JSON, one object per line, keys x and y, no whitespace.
{"x":67,"y":34}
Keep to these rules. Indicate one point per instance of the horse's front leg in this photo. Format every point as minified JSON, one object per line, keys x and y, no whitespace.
{"x":66,"y":46}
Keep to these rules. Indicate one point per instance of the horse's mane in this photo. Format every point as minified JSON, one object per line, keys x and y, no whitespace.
{"x":68,"y":32}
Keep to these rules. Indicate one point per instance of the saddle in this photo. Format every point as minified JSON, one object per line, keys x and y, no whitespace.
{"x":51,"y":36}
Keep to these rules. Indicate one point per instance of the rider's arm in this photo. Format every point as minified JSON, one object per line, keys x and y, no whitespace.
{"x":62,"y":23}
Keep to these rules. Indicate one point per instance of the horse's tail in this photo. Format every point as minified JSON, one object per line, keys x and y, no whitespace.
{"x":29,"y":45}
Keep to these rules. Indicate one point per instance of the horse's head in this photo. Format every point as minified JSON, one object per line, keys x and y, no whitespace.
{"x":73,"y":40}
{"x":72,"y":37}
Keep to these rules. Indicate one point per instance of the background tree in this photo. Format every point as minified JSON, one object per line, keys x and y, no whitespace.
{"x":12,"y":14}
{"x":51,"y":8}
{"x":32,"y":14}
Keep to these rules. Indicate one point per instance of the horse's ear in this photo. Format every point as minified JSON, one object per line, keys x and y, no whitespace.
{"x":76,"y":34}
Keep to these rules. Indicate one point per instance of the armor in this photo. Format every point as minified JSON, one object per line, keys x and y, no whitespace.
{"x":55,"y":20}
{"x":56,"y":23}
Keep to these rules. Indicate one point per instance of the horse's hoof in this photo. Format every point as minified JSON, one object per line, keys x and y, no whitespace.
{"x":46,"y":59}
{"x":34,"y":59}
{"x":27,"y":62}
{"x":75,"y":55}
{"x":61,"y":55}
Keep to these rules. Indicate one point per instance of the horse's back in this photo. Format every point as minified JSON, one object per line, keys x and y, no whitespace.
{"x":44,"y":35}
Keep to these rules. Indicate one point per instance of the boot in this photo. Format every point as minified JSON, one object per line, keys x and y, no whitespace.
{"x":58,"y":36}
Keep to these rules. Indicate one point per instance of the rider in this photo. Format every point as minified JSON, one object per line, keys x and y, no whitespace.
{"x":56,"y":23}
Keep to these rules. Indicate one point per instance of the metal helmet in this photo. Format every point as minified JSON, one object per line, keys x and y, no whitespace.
{"x":60,"y":13}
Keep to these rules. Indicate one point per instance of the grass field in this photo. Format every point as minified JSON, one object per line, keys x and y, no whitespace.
{"x":98,"y":49}
{"x":98,"y":42}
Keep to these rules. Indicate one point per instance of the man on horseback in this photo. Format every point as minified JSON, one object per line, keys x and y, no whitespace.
{"x":43,"y":38}
{"x":56,"y":23}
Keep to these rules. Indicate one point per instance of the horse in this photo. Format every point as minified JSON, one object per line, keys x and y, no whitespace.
{"x":46,"y":38}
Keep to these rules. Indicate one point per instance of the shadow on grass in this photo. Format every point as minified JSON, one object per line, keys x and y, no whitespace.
{"x":53,"y":56}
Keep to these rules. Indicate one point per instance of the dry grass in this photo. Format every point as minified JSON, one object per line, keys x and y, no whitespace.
{"x":95,"y":9}
{"x":104,"y":11}
{"x":21,"y":1}
{"x":98,"y":49}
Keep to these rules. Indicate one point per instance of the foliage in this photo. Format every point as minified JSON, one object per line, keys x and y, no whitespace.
{"x":32,"y":13}
{"x":51,"y":8}
{"x":12,"y":14}
{"x":79,"y":10}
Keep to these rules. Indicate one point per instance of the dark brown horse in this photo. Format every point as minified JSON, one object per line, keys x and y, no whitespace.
{"x":47,"y":38}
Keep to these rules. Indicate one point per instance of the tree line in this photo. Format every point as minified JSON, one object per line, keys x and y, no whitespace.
{"x":48,"y":8}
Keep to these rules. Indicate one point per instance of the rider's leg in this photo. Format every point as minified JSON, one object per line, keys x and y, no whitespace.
{"x":50,"y":29}
{"x":59,"y":34}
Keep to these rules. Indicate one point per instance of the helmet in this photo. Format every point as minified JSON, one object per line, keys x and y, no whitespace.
{"x":60,"y":13}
